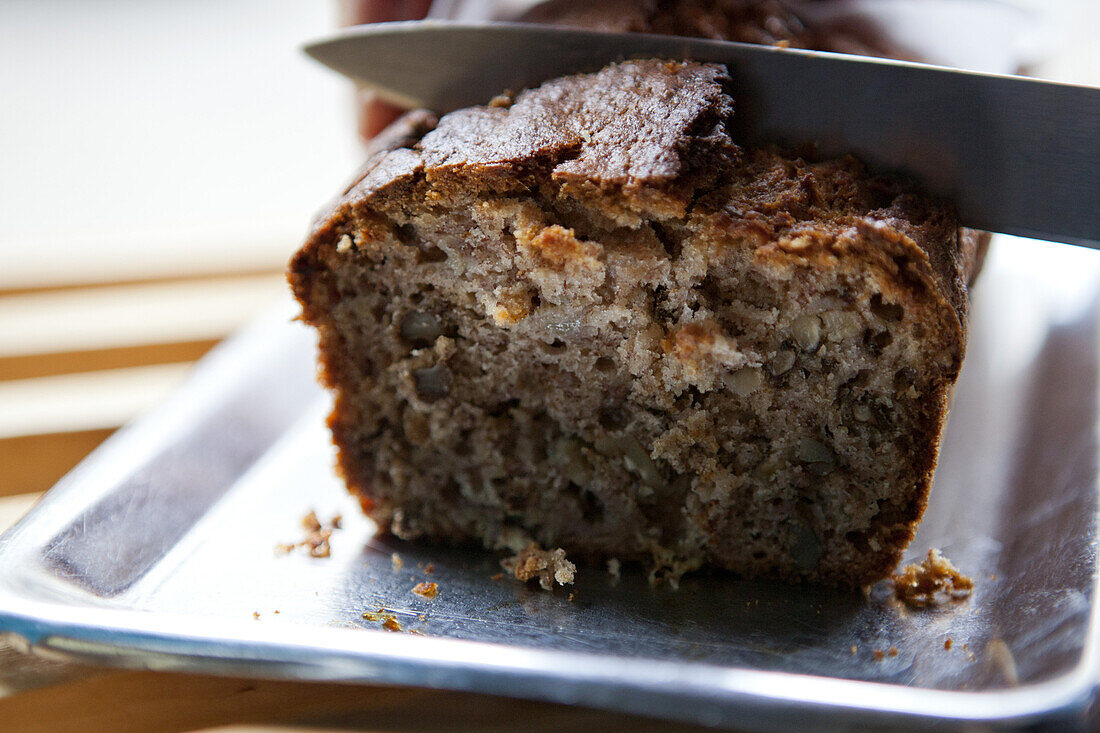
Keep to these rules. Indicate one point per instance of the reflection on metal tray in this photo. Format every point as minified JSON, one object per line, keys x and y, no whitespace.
{"x":160,"y":551}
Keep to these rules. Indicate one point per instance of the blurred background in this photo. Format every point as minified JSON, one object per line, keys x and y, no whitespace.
{"x":159,"y":163}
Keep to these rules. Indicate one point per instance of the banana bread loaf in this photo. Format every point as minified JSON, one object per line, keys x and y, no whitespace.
{"x":586,"y":317}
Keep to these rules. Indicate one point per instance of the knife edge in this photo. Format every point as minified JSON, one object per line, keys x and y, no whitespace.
{"x":1016,"y":155}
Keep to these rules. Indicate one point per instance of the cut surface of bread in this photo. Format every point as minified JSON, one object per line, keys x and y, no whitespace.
{"x":585,"y":317}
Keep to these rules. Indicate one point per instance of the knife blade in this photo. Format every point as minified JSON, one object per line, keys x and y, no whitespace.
{"x":1016,"y":155}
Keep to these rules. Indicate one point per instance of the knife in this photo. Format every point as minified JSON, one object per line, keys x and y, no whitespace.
{"x":1016,"y":155}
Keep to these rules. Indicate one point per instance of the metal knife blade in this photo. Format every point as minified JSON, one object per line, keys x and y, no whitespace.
{"x":1016,"y":155}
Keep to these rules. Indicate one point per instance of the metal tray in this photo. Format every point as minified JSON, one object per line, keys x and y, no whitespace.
{"x":159,"y":552}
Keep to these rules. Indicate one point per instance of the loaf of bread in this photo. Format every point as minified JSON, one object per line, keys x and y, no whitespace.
{"x":586,"y":317}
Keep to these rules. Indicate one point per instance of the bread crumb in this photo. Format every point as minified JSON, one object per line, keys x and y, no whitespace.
{"x":429,"y":568}
{"x":893,"y":651}
{"x":504,"y":100}
{"x":310,"y":521}
{"x":547,"y":566}
{"x":337,"y":522}
{"x":572,"y":596}
{"x":933,"y":581}
{"x":255,"y":614}
{"x":396,"y":561}
{"x":879,"y":655}
{"x":428,"y":590}
{"x":318,"y":541}
{"x":497,"y":576}
{"x":948,"y":643}
{"x":389,"y":620}
{"x":854,"y":648}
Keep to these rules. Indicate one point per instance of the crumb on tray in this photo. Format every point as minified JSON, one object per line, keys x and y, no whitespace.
{"x":427,"y":590}
{"x":318,"y":541}
{"x":547,"y":566}
{"x":934,"y":580}
{"x":389,"y":620}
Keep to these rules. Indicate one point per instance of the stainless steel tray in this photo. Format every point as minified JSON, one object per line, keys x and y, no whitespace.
{"x":159,"y":551}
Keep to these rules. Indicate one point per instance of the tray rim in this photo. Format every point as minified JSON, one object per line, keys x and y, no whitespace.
{"x":131,"y":638}
{"x":136,"y":639}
